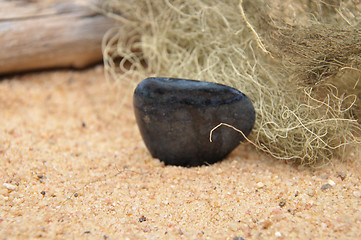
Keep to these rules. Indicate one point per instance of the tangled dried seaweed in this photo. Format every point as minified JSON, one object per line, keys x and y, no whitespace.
{"x":299,"y":116}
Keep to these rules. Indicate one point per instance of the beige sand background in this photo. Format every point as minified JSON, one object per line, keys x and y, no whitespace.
{"x":73,"y":166}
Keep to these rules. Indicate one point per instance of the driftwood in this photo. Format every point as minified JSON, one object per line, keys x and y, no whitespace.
{"x":49,"y":34}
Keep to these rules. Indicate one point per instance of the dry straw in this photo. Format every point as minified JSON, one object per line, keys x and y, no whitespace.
{"x":298,"y":61}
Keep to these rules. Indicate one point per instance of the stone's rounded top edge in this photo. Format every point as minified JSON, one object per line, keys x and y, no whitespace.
{"x":185,"y":84}
{"x":178,"y":90}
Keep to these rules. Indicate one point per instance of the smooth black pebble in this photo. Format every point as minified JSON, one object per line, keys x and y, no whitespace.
{"x":175,"y":117}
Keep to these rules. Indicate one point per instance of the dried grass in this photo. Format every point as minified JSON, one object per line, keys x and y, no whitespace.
{"x":298,"y":61}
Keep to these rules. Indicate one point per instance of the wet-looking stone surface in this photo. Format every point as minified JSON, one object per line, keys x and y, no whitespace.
{"x":175,"y":117}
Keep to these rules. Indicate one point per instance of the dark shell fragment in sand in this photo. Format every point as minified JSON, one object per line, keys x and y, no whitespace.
{"x":175,"y":117}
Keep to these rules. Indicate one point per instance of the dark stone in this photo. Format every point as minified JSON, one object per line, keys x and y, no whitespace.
{"x":175,"y":117}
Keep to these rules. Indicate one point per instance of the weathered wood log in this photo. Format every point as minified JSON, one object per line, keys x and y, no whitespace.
{"x":40,"y":35}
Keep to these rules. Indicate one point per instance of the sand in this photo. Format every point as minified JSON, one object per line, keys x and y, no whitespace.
{"x":73,"y":166}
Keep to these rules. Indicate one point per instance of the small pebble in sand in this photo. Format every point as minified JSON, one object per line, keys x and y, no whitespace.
{"x":142,"y":219}
{"x":357,"y":194}
{"x":43,"y":193}
{"x":278,"y":234}
{"x":341,"y":175}
{"x":282,"y":203}
{"x":311,"y":192}
{"x":175,"y":118}
{"x":41,"y":178}
{"x":260,"y":184}
{"x":326,"y":186}
{"x":87,"y":232}
{"x":238,"y":238}
{"x":266,"y":224}
{"x":332,"y":183}
{"x":76,"y":195}
{"x":9,"y":186}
